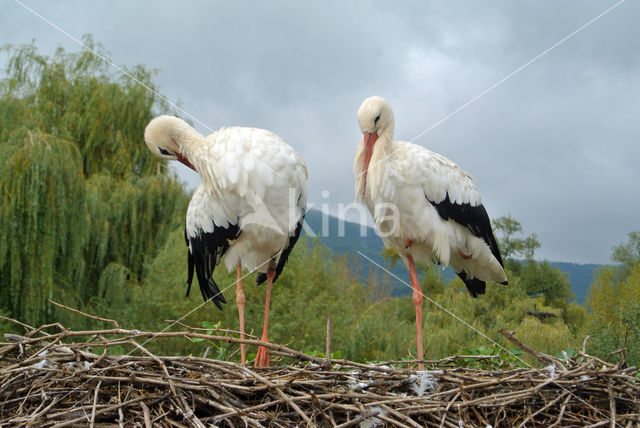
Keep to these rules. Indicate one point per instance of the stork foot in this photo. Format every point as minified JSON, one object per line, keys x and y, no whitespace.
{"x":262,"y":357}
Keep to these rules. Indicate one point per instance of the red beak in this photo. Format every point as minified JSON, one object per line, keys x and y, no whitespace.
{"x":185,"y":161}
{"x":369,"y":140}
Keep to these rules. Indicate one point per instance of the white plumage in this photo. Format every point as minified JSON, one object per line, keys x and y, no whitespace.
{"x":423,"y":204}
{"x":253,"y":179}
{"x":249,"y":207}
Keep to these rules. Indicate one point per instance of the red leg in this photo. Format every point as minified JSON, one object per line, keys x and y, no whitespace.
{"x":240,"y":301}
{"x":417,"y":302}
{"x":262,"y":357}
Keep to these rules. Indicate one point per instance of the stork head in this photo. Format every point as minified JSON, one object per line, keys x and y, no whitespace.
{"x":164,"y":136}
{"x":375,"y":118}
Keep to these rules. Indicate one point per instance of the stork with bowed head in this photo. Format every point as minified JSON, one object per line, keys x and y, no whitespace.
{"x":249,"y":207}
{"x":424,"y":205}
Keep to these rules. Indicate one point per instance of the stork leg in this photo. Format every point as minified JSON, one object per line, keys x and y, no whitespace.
{"x":262,"y":357}
{"x":417,"y":302}
{"x":240,"y":301}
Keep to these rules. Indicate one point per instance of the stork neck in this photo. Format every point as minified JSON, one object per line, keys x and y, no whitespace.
{"x":373,"y":168}
{"x":383,"y":145}
{"x":381,"y":152}
{"x":189,"y":142}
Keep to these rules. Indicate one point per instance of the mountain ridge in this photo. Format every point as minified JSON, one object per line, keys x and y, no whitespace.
{"x":328,"y":230}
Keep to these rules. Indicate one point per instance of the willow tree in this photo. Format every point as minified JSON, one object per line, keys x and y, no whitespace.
{"x":76,"y":97}
{"x":44,"y":222}
{"x":84,"y":204}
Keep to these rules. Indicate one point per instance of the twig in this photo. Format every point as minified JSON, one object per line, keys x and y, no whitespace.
{"x":564,"y":406}
{"x":219,"y":330}
{"x":59,"y":380}
{"x":400,"y":416}
{"x":281,"y":394}
{"x":114,"y":322}
{"x":327,"y":348}
{"x":543,"y":358}
{"x":26,"y":326}
{"x":359,"y":419}
{"x":146,"y":415}
{"x":541,"y":410}
{"x":95,"y":403}
{"x":102,"y":411}
{"x":584,"y":345}
{"x":612,"y":405}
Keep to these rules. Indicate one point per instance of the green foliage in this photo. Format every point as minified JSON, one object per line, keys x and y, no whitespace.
{"x":614,"y":305}
{"x":627,"y":254}
{"x":542,"y":279}
{"x":84,"y":205}
{"x":512,"y":247}
{"x":44,"y":220}
{"x":390,"y":255}
{"x":74,"y":97}
{"x":221,"y":349}
{"x":368,"y":324}
{"x":91,"y":219}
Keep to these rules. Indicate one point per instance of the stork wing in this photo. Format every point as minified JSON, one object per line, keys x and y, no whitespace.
{"x":451,"y":191}
{"x":251,"y":158}
{"x":284,"y":255}
{"x":207,"y":235}
{"x":474,"y":218}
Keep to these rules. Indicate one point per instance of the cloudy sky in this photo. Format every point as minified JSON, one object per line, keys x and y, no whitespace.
{"x":555,"y":144}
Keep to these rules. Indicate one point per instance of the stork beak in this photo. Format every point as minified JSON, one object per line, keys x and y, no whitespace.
{"x":185,"y":161}
{"x":369,"y":140}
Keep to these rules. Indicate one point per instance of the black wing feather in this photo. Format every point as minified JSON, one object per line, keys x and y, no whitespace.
{"x":262,"y":277}
{"x":190,"y":264}
{"x":476,"y":219}
{"x":205,"y":251}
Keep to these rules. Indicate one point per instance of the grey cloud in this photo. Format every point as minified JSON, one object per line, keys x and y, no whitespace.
{"x":555,"y":145}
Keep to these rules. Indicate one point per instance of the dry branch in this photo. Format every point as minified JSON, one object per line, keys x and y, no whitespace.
{"x":50,"y":377}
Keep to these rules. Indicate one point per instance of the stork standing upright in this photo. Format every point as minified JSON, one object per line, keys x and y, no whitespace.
{"x":424,"y":205}
{"x":249,"y":207}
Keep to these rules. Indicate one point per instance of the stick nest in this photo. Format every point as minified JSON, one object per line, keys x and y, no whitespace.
{"x":61,"y":378}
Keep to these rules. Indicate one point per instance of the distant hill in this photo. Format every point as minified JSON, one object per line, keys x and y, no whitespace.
{"x":370,"y":244}
{"x":581,"y":277}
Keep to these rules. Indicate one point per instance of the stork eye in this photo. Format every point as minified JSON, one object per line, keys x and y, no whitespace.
{"x":375,"y":121}
{"x":165,"y":152}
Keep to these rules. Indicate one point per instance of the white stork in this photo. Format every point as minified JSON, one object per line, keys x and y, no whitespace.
{"x":249,"y":207}
{"x":424,"y":205}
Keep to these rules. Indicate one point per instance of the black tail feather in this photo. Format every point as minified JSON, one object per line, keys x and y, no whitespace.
{"x":208,"y":288}
{"x":205,"y":251}
{"x":212,"y":292}
{"x":474,"y":285}
{"x":262,"y":277}
{"x":191,"y":264}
